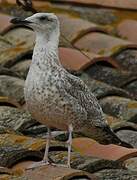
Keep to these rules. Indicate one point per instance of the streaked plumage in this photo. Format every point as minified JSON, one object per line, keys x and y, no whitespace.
{"x":55,"y":97}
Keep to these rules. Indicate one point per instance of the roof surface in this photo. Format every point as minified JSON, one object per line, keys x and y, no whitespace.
{"x":98,"y":43}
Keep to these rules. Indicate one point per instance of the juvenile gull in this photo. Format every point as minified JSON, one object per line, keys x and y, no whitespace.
{"x":55,"y":97}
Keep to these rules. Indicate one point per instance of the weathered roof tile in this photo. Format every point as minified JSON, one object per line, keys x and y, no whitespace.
{"x":15,"y":119}
{"x":59,"y":173}
{"x":90,"y":147}
{"x":119,"y":174}
{"x":103,"y":44}
{"x":101,"y":89}
{"x":12,"y":87}
{"x":129,"y":4}
{"x":79,"y":27}
{"x":22,"y":67}
{"x":122,"y":108}
{"x":85,"y":162}
{"x":4,"y":22}
{"x":110,"y":75}
{"x":127,"y":30}
{"x":129,"y":136}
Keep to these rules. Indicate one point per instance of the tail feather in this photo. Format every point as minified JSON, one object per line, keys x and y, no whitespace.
{"x":104,"y":135}
{"x":112,"y":138}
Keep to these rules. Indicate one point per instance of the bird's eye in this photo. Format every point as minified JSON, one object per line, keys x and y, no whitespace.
{"x":42,"y":18}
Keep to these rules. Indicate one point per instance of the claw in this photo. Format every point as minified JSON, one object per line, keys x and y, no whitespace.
{"x":37,"y":164}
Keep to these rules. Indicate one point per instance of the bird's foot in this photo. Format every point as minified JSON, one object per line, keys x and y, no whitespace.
{"x":60,"y":165}
{"x":37,"y":164}
{"x":43,"y":163}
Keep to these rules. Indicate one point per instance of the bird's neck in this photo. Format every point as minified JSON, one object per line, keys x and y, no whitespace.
{"x":46,"y":50}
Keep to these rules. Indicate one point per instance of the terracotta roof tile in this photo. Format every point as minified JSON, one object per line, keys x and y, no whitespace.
{"x":9,"y":72}
{"x":110,"y":75}
{"x":127,"y":60}
{"x":103,"y":44}
{"x":8,"y":1}
{"x":127,"y":29}
{"x":4,"y":22}
{"x":122,"y":125}
{"x":128,"y":135}
{"x":25,"y":36}
{"x":59,"y":173}
{"x":15,"y":90}
{"x":4,"y":44}
{"x":9,"y":101}
{"x":131,"y":163}
{"x":5,"y":170}
{"x":129,"y":4}
{"x":14,"y":148}
{"x":84,"y":162}
{"x":90,"y":147}
{"x":76,"y":60}
{"x":22,"y":67}
{"x":79,"y":27}
{"x":122,"y":108}
{"x":15,"y":119}
{"x":101,"y":89}
{"x":73,"y":59}
{"x":116,"y":174}
{"x":22,"y":164}
{"x":131,"y":87}
{"x":14,"y":54}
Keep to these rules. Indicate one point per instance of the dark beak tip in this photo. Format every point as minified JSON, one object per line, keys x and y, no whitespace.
{"x":19,"y":21}
{"x":13,"y":21}
{"x":16,"y":21}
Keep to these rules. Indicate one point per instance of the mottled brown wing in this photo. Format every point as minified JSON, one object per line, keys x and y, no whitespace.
{"x":87,"y":100}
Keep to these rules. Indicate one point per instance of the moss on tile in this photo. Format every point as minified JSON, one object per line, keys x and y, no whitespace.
{"x":123,"y":15}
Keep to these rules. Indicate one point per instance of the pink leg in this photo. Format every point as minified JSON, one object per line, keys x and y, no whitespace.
{"x":69,"y":144}
{"x":45,"y":160}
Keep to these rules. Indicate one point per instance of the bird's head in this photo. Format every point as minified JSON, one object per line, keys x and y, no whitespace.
{"x":40,"y":22}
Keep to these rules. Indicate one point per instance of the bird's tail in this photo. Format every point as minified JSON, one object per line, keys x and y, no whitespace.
{"x":105,"y":135}
{"x":112,"y":138}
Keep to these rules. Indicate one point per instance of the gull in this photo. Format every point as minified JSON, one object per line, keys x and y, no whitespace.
{"x":57,"y":98}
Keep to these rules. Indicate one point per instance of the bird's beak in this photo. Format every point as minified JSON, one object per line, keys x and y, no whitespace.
{"x":19,"y":21}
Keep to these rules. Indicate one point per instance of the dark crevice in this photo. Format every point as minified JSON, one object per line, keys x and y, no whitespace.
{"x":118,"y":94}
{"x":125,"y":128}
{"x":12,"y":27}
{"x":104,"y":63}
{"x":84,"y":177}
{"x":129,"y":82}
{"x":7,"y":104}
{"x":23,"y":57}
{"x":57,"y":148}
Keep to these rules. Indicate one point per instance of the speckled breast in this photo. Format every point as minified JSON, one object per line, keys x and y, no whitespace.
{"x":44,"y":102}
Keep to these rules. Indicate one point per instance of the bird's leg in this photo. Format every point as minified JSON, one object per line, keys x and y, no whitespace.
{"x":69,"y":144}
{"x":45,"y":160}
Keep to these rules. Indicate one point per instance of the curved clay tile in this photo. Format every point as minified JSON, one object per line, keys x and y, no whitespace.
{"x":103,"y":44}
{"x":101,"y":89}
{"x":12,"y":87}
{"x":89,"y":147}
{"x":110,"y":75}
{"x":79,"y":27}
{"x":123,"y":108}
{"x":77,"y":60}
{"x":129,"y":4}
{"x":127,"y":30}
